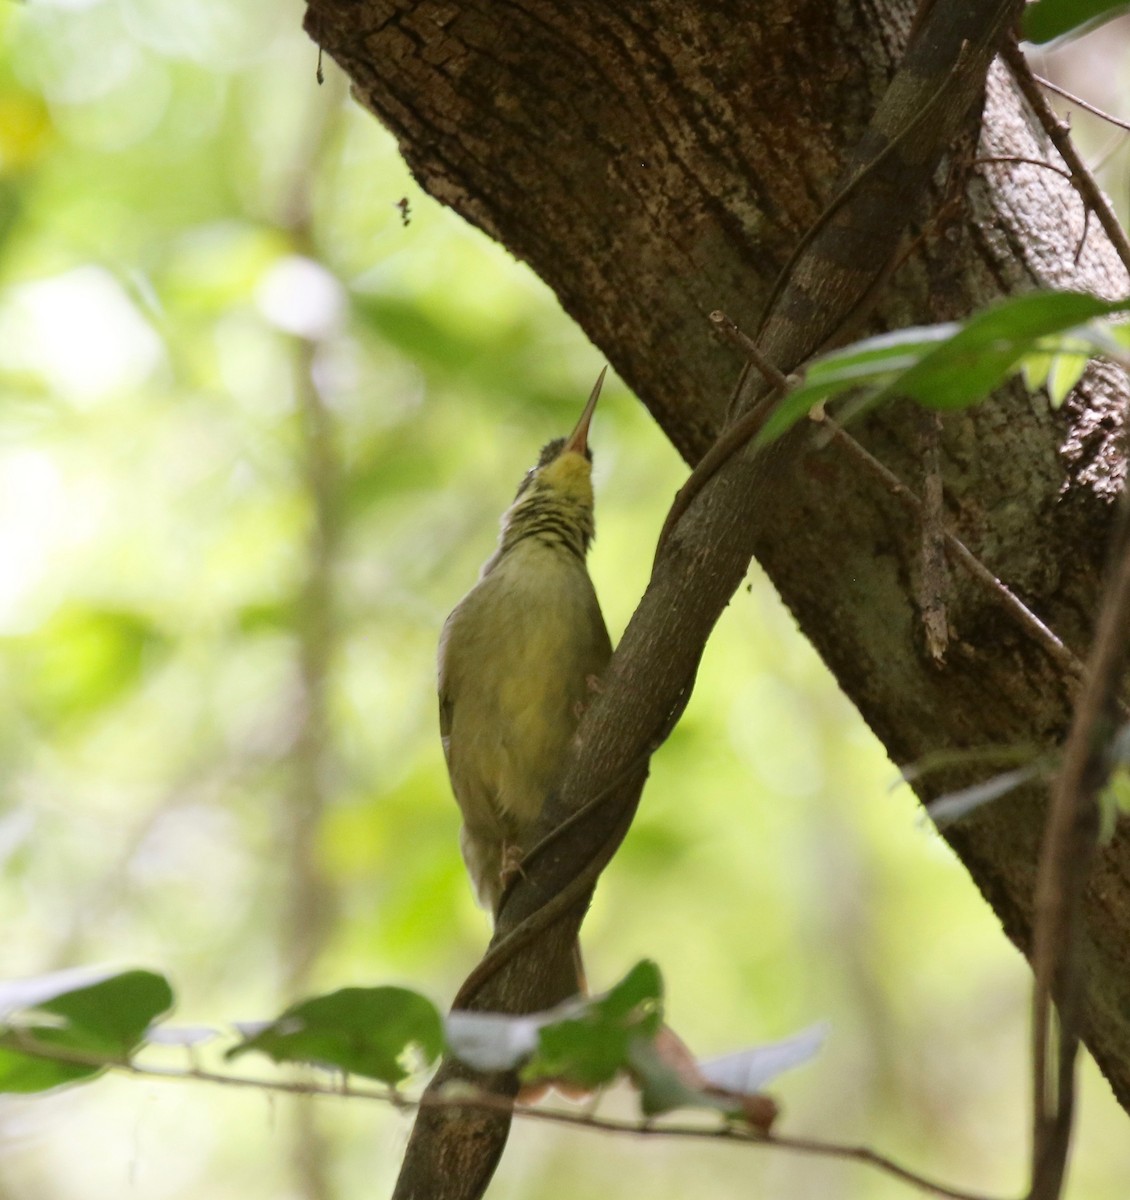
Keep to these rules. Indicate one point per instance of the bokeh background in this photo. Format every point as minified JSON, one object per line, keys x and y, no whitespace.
{"x":261,"y":404}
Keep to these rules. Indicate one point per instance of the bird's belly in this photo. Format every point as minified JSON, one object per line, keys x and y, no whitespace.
{"x":526,"y":715}
{"x":518,"y":708}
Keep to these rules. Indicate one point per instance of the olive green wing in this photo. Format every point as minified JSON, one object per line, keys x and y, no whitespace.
{"x":446,"y":689}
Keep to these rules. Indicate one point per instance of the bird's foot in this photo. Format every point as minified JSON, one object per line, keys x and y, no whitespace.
{"x":511,"y":864}
{"x":593,"y":684}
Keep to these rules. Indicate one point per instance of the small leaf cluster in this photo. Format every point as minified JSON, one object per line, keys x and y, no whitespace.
{"x":70,"y":1026}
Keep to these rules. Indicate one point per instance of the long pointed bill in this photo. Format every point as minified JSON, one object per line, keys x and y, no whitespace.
{"x":579,"y":439}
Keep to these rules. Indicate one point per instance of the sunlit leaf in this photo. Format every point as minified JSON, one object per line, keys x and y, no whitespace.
{"x":749,"y":1070}
{"x":26,"y":131}
{"x":1114,"y":801}
{"x":23,"y":1071}
{"x":637,"y":997}
{"x":382,"y":1033}
{"x":1066,"y":371}
{"x":1035,"y":368}
{"x":214,"y":266}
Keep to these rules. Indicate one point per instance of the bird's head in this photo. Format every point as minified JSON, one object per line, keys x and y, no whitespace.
{"x":564,"y":467}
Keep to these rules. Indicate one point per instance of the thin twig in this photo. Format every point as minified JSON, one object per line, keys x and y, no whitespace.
{"x":1060,"y":135}
{"x":1070,"y":838}
{"x":1024,"y":616}
{"x":744,"y":343}
{"x":817,"y":1147}
{"x":990,"y":159}
{"x":1047,"y":166}
{"x":934,"y":584}
{"x":1084,"y":104}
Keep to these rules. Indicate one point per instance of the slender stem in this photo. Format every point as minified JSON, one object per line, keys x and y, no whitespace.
{"x":1086,"y":105}
{"x":817,"y":1147}
{"x":1023,"y":158}
{"x":1068,"y":849}
{"x":1008,"y":600}
{"x":1060,"y":135}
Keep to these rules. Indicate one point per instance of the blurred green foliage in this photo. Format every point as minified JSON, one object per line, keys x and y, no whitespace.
{"x":256,"y":428}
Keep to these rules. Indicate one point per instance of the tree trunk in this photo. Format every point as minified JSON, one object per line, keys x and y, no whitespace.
{"x":654,"y":161}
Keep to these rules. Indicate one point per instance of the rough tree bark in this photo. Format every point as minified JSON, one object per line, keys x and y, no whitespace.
{"x":654,"y":161}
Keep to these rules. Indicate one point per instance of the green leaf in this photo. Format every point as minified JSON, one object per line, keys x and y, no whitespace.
{"x":638,"y":997}
{"x":23,"y":1071}
{"x":882,"y":355}
{"x":1066,"y":371}
{"x":116,"y":1011}
{"x":660,"y":1086}
{"x":949,"y":366}
{"x":1048,"y":19}
{"x":1035,"y":368}
{"x":104,"y":1019}
{"x":1114,"y":801}
{"x":869,"y":363}
{"x":374,"y":1032}
{"x":593,"y":1047}
{"x":979,"y":356}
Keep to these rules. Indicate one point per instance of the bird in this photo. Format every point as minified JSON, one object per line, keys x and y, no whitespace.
{"x":519,"y":658}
